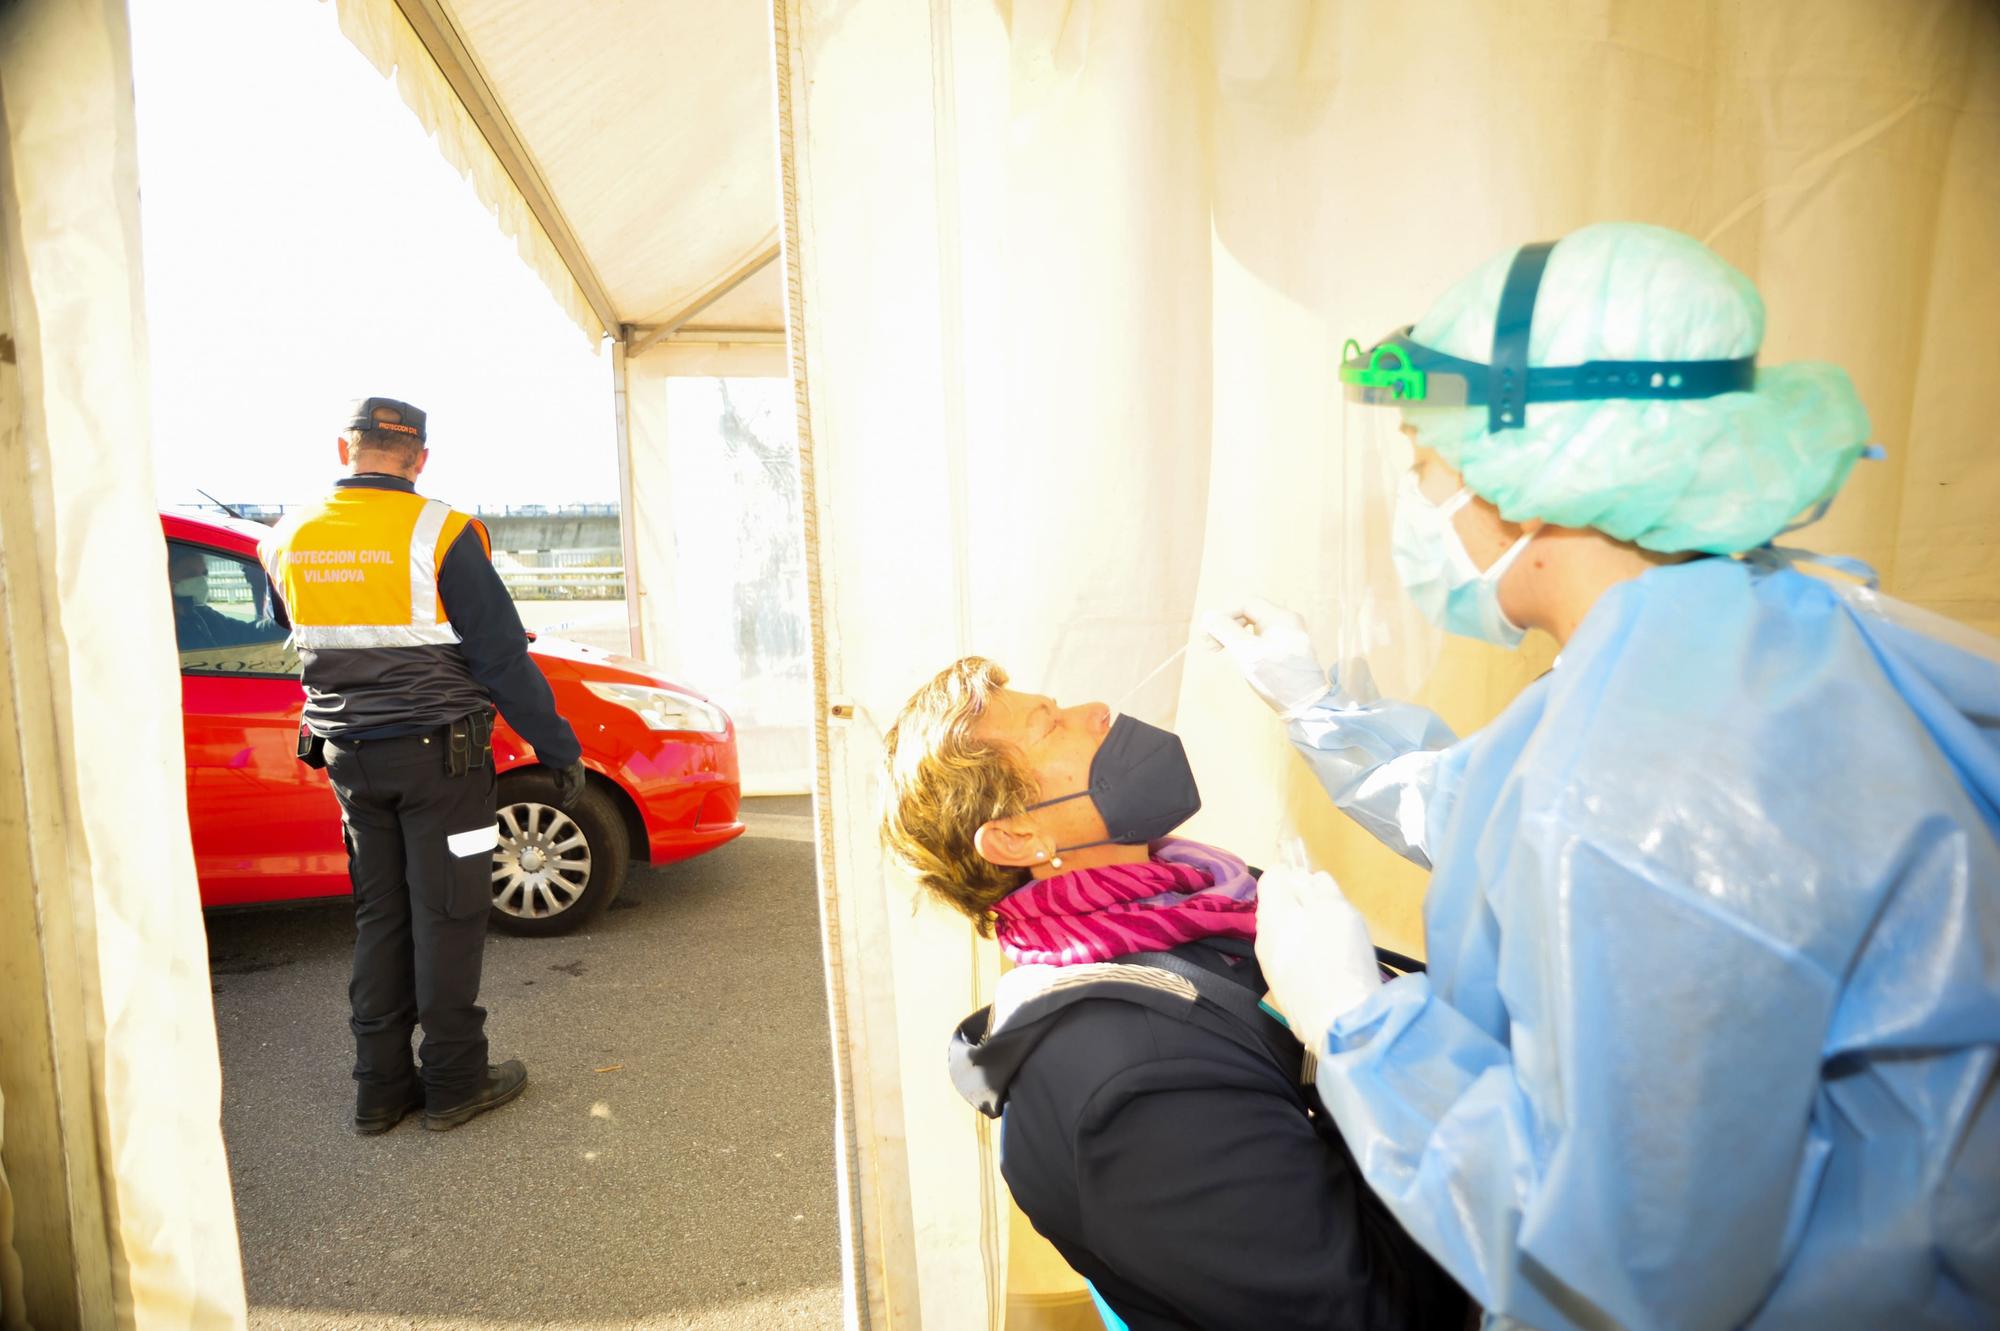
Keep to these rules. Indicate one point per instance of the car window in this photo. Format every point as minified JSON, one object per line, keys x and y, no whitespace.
{"x":226,"y":622}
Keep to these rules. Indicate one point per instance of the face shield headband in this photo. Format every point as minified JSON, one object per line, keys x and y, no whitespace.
{"x":1400,"y":371}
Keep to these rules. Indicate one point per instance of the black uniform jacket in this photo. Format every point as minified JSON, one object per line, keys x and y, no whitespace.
{"x":1156,"y":1142}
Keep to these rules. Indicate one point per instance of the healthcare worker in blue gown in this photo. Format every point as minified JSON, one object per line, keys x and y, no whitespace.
{"x":1712,"y":1022}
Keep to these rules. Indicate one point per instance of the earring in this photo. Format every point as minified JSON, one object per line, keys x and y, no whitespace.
{"x":1041,"y":854}
{"x":1056,"y":863}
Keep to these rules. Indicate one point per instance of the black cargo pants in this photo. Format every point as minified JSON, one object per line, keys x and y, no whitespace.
{"x":420,"y":853}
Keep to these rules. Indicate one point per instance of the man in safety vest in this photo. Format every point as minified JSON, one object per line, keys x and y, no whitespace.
{"x":407,"y":640}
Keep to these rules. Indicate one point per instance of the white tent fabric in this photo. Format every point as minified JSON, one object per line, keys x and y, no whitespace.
{"x":644,"y":135}
{"x":677,"y":190}
{"x":114,"y":1146}
{"x":1069,"y":278}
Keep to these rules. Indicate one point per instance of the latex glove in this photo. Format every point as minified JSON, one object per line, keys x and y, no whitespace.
{"x":569,"y":784}
{"x":1314,"y":949}
{"x":1272,"y":648}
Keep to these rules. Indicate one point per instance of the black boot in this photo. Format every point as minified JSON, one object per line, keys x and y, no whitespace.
{"x":377,"y":1109}
{"x":501,"y":1083}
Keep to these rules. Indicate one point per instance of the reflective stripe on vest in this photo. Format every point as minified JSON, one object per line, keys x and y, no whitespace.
{"x":318,"y":637}
{"x":423,"y":565}
{"x":336,"y":565}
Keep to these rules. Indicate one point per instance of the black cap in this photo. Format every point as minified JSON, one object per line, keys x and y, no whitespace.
{"x":407,"y":420}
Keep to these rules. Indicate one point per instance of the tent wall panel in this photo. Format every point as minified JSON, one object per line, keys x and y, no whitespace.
{"x":114,"y":1095}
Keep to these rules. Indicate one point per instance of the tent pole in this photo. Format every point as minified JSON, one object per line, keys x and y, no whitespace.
{"x":856,"y":1183}
{"x":628,"y":535}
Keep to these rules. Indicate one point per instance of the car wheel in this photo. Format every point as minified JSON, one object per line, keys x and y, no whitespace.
{"x":555,"y":869}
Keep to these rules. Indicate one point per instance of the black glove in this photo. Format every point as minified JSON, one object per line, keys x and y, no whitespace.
{"x":569,"y":784}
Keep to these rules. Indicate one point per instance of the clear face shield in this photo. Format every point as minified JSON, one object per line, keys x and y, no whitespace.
{"x":1388,"y":392}
{"x":1367,"y":623}
{"x":1399,"y":397}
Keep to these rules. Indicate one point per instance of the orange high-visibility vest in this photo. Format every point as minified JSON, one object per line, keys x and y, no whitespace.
{"x":360,"y":570}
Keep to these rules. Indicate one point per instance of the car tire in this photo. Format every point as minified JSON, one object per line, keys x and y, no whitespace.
{"x":555,"y":869}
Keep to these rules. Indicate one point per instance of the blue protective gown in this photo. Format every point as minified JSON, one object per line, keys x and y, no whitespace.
{"x":1712,"y":1025}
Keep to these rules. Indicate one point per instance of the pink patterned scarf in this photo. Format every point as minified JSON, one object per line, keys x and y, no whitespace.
{"x":1185,"y":891}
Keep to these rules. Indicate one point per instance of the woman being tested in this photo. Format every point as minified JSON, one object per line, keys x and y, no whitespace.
{"x":1712,"y":1022}
{"x":1154,"y":1124}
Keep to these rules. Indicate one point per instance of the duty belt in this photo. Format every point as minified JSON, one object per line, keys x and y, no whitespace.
{"x":467,"y":743}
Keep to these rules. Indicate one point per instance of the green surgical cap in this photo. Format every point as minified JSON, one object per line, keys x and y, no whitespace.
{"x":1721,"y":474}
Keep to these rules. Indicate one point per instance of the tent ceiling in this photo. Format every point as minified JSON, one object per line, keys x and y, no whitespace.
{"x":641,"y":135}
{"x":758,"y":303}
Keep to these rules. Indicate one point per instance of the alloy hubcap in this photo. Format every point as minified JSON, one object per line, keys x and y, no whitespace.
{"x":542,"y":864}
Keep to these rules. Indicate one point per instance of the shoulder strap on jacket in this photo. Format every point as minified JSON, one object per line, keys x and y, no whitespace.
{"x":1292,"y":1058}
{"x":983,"y":1057}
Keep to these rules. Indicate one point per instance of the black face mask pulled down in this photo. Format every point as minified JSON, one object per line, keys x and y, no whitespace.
{"x":1140,"y":782}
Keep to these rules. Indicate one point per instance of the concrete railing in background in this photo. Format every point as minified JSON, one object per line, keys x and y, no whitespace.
{"x":545,"y":552}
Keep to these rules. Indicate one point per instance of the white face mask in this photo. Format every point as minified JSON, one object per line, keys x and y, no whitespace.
{"x":1437,"y":571}
{"x":193,"y":589}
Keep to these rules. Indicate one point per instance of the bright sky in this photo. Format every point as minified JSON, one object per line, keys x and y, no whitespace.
{"x":305,"y":244}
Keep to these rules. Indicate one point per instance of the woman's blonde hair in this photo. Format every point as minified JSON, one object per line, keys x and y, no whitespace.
{"x":943,"y":785}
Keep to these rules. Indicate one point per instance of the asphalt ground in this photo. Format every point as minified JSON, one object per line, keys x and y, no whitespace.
{"x":670,"y":1164}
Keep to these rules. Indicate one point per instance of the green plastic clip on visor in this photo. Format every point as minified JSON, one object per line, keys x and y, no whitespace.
{"x":1383,"y":374}
{"x":1399,"y":370}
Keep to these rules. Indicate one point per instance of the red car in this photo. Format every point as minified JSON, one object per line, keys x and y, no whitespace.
{"x":662,"y":759}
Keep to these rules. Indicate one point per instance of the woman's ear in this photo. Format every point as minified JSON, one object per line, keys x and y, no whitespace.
{"x":1008,"y":842}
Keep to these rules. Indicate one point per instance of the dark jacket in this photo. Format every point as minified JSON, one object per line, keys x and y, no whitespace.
{"x":1156,"y":1142}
